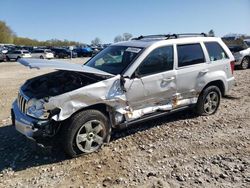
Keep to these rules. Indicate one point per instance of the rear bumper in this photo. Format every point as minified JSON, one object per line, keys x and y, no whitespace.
{"x":230,"y":84}
{"x":24,"y":124}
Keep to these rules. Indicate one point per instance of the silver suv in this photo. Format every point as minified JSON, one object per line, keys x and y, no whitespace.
{"x":124,"y":84}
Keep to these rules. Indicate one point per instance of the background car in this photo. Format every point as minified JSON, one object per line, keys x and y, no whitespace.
{"x":62,"y":53}
{"x":42,"y":54}
{"x":247,"y":42}
{"x":16,"y":54}
{"x":2,"y":56}
{"x":241,"y":55}
{"x":241,"y":51}
{"x":83,"y":51}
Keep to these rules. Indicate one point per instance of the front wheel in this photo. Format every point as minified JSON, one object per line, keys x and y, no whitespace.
{"x":208,"y":101}
{"x":85,"y":133}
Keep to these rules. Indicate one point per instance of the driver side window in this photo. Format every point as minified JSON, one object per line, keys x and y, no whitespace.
{"x":159,"y":60}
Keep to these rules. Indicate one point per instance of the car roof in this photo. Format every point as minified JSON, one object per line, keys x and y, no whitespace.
{"x":144,"y":43}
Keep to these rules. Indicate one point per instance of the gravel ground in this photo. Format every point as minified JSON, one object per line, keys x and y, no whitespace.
{"x":180,"y":150}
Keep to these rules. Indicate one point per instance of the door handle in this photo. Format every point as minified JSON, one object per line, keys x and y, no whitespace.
{"x":168,"y":79}
{"x":204,"y":71}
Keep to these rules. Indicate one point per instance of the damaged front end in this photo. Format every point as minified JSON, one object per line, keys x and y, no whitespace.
{"x":44,"y":102}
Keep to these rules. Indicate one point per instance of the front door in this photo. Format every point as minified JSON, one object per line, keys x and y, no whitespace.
{"x":154,"y":81}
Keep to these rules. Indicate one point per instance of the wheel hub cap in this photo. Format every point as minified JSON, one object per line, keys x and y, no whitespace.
{"x":90,"y":136}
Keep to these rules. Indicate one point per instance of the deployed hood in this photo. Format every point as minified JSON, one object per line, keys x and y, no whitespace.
{"x":60,"y":65}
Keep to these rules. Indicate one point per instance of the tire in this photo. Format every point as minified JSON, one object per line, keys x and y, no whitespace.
{"x":7,"y":58}
{"x":41,"y":57}
{"x":85,"y":133}
{"x":208,"y":101}
{"x":245,"y":63}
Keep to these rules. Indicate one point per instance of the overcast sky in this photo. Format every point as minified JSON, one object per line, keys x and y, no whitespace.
{"x":82,"y":20}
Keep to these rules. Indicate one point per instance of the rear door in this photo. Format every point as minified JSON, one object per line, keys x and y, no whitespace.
{"x":154,"y":80}
{"x":219,"y":59}
{"x":191,"y":68}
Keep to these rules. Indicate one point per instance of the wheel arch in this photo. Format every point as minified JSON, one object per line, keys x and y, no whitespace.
{"x":106,"y":109}
{"x":219,"y":83}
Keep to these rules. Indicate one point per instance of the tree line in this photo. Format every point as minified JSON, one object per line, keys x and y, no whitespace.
{"x":7,"y":36}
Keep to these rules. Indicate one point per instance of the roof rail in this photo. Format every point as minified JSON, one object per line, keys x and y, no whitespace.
{"x":169,"y":36}
{"x":193,"y":34}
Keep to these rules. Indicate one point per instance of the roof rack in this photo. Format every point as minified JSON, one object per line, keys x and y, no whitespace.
{"x":169,"y":36}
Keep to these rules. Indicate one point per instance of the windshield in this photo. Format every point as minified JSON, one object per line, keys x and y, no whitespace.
{"x":114,"y":59}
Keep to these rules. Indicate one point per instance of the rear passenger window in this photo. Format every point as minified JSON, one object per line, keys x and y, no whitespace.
{"x":215,"y":51}
{"x":190,"y":54}
{"x":159,"y":60}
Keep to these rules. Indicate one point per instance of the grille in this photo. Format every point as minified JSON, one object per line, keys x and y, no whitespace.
{"x":21,"y":101}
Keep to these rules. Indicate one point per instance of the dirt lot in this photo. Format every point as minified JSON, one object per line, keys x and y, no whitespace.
{"x":181,"y":150}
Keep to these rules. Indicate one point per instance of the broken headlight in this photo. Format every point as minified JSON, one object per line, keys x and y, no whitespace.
{"x":35,"y":108}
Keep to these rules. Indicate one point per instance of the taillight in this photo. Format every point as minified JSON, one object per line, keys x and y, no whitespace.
{"x":232,"y":66}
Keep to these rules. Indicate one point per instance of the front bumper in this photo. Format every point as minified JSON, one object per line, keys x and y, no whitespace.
{"x":26,"y":125}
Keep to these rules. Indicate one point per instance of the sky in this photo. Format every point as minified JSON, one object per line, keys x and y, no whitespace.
{"x":83,"y":20}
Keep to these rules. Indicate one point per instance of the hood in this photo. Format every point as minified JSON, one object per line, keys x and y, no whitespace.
{"x":60,"y":65}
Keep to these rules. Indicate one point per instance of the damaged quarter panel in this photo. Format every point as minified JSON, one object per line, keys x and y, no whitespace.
{"x":104,"y":91}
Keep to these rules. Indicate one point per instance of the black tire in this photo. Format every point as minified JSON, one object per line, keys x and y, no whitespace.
{"x":245,"y":63}
{"x":41,"y":57}
{"x":76,"y":129}
{"x":7,"y":58}
{"x":205,"y":107}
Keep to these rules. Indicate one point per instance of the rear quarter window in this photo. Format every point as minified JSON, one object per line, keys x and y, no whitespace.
{"x":215,"y":51}
{"x":190,"y":54}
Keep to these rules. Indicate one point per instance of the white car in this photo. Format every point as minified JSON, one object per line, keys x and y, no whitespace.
{"x":126,"y":83}
{"x":42,"y":54}
{"x":241,"y":54}
{"x":16,"y":54}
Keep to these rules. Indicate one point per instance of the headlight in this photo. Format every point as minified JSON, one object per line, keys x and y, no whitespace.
{"x":35,"y":109}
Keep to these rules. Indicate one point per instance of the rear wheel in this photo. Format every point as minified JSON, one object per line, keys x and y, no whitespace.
{"x":7,"y":58}
{"x":245,"y":63}
{"x":85,"y":133}
{"x":41,"y":57}
{"x":208,"y":101}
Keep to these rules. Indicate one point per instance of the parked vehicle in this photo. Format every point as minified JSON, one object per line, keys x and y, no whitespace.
{"x":84,"y":51}
{"x":241,"y":55}
{"x":42,"y":54}
{"x":247,"y":42}
{"x":126,"y":83}
{"x":63,"y":53}
{"x":2,"y":56}
{"x":16,"y":54}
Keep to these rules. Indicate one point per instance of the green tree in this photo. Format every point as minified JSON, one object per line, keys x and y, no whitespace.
{"x":6,"y":34}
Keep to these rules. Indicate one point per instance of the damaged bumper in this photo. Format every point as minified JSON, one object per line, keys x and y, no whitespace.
{"x":26,"y":125}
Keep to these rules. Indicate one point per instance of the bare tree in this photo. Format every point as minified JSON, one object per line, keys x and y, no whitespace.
{"x":118,"y":38}
{"x":124,"y":37}
{"x":96,"y":41}
{"x":127,"y":36}
{"x":211,"y":33}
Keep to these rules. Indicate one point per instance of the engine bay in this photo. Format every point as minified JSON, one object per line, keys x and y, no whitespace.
{"x":57,"y":83}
